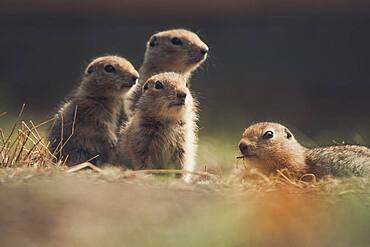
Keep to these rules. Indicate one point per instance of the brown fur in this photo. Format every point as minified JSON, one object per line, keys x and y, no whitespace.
{"x":159,"y":135}
{"x":86,"y":124}
{"x":162,"y":55}
{"x":339,"y":161}
{"x":279,"y":152}
{"x":284,"y":151}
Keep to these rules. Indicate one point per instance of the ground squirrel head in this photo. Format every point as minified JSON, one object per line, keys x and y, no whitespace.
{"x":176,"y":50}
{"x":108,"y":75}
{"x":271,"y":146}
{"x":165,"y":96}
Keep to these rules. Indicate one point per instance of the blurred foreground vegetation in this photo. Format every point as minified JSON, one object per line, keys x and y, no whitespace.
{"x":52,"y":208}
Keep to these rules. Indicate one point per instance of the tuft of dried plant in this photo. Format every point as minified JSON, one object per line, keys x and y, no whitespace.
{"x":24,"y":146}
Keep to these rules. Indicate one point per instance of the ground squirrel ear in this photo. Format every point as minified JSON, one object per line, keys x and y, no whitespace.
{"x":153,"y":41}
{"x":146,"y":86}
{"x":89,"y":70}
{"x":288,"y":134}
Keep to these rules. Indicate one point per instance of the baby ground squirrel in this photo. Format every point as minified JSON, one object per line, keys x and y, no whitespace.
{"x":86,"y":124}
{"x":175,"y":50}
{"x":271,"y":146}
{"x":162,"y":132}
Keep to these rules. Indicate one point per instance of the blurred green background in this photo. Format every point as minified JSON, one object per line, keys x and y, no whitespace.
{"x":305,"y":64}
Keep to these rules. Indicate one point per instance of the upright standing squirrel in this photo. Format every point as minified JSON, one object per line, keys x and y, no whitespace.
{"x":176,"y":50}
{"x":162,"y":132}
{"x":271,"y":146}
{"x":85,"y":126}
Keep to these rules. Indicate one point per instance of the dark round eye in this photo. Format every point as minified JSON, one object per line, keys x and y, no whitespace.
{"x":176,"y":41}
{"x":268,"y":134}
{"x":109,"y":68}
{"x":158,"y":85}
{"x":187,"y":85}
{"x":134,"y":78}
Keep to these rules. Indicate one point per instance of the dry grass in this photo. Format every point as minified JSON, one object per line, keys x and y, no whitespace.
{"x":44,"y":203}
{"x":24,"y":146}
{"x":49,"y":207}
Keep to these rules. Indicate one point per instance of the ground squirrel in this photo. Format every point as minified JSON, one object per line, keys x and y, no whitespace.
{"x":271,"y":146}
{"x":86,"y":124}
{"x":176,"y":50}
{"x":162,"y":132}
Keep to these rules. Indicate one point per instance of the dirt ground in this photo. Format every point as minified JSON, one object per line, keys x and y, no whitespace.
{"x":49,"y":207}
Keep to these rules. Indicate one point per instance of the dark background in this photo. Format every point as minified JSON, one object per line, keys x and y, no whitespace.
{"x":304,"y":64}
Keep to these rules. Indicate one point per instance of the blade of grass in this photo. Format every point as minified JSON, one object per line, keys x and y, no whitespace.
{"x":15,"y":125}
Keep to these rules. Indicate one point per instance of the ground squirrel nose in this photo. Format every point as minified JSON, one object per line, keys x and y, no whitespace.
{"x":243,"y":147}
{"x":204,"y":51}
{"x":181,"y":95}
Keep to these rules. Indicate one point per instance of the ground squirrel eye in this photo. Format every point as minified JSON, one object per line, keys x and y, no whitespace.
{"x":109,"y":68}
{"x":268,"y":134}
{"x":158,"y":85}
{"x":176,"y":41}
{"x":134,"y":78}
